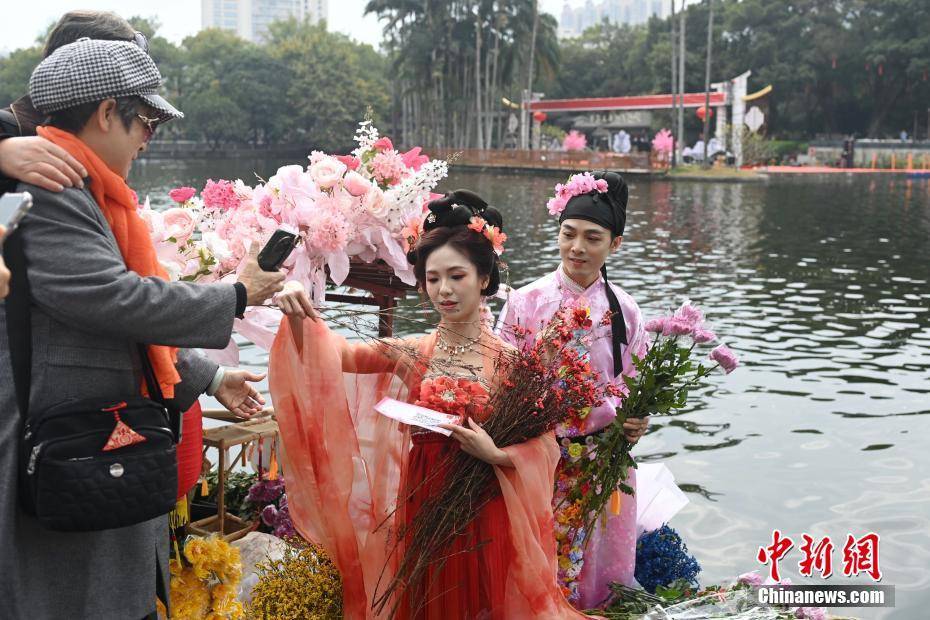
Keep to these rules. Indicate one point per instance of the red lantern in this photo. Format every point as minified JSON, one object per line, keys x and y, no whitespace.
{"x":190,"y":449}
{"x":540,"y":117}
{"x":702,"y":112}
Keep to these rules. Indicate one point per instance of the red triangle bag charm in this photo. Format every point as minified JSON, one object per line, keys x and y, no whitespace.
{"x":122,"y":435}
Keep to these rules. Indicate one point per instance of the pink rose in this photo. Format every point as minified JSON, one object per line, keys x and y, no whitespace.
{"x":382,"y":144}
{"x":750,"y":579}
{"x":351,"y":162}
{"x":657,"y":325}
{"x":725,"y":357}
{"x":179,"y":224}
{"x":356,"y":184}
{"x":375,"y":203}
{"x":700,"y":336}
{"x":182,"y":194}
{"x":327,"y":172}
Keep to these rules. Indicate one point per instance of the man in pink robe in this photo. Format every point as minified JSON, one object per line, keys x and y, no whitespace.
{"x":591,"y":226}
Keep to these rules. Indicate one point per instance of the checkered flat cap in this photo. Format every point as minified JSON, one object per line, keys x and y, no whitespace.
{"x":93,"y":70}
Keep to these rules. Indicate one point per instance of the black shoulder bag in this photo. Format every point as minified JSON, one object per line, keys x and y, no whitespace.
{"x":94,"y":464}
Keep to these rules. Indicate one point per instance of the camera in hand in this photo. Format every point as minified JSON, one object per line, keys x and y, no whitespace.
{"x":276,"y":251}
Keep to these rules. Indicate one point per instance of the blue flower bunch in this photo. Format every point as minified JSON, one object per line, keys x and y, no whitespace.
{"x":662,"y":557}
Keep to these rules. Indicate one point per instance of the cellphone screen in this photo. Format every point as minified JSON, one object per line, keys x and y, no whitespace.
{"x":9,"y":208}
{"x":8,"y":205}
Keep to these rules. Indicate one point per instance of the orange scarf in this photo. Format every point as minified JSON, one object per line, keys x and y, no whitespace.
{"x":119,"y":205}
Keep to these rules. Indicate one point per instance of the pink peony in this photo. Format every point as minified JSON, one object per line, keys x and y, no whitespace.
{"x":656,"y":325}
{"x":677,"y":327}
{"x":182,"y":194}
{"x":725,"y":357}
{"x":356,"y":184}
{"x":328,"y":233}
{"x":388,"y":168}
{"x":700,"y":336}
{"x":383,"y":144}
{"x":179,"y":224}
{"x":351,"y":162}
{"x":413,"y":160}
{"x":327,"y":172}
{"x":750,"y":579}
{"x":220,"y":195}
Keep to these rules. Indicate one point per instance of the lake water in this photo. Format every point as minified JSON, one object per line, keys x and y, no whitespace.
{"x":821,"y":287}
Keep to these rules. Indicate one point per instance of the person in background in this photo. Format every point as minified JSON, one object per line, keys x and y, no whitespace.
{"x":31,"y":159}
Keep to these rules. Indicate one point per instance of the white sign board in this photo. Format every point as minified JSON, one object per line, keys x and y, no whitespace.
{"x":754,"y":119}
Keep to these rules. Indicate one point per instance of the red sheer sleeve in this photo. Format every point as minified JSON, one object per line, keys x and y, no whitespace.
{"x":342,"y":460}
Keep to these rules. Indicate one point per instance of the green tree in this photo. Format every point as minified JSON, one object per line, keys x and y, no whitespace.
{"x":214,"y":117}
{"x":331,"y":82}
{"x":15,"y":70}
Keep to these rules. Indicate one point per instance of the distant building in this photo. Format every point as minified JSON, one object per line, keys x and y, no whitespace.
{"x":575,"y":20}
{"x":250,"y":18}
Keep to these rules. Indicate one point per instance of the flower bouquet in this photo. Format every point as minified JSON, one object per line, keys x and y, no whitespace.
{"x":365,"y":206}
{"x":664,"y":376}
{"x":205,"y":580}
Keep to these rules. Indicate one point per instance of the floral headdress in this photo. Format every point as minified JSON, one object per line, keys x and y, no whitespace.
{"x":490,"y":232}
{"x":576,"y":185}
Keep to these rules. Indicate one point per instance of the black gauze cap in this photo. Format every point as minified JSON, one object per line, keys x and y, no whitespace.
{"x":606,"y":209}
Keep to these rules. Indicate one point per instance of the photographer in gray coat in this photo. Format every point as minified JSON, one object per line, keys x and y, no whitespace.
{"x":94,"y":295}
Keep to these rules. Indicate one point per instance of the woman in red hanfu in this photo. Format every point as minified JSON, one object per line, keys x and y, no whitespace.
{"x":355,"y":477}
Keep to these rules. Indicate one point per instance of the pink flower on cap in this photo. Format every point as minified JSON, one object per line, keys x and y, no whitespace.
{"x":577,"y":185}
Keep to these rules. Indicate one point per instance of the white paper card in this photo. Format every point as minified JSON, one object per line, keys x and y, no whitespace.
{"x":416,"y":415}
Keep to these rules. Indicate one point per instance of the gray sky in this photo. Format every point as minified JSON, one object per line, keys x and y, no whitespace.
{"x":23,"y":21}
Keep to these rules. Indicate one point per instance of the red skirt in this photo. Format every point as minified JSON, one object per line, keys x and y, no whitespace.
{"x":472,"y":582}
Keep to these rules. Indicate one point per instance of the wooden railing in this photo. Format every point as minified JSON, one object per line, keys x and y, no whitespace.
{"x":554,"y":160}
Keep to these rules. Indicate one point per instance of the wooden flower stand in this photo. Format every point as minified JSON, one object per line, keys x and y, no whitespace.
{"x":224,"y":438}
{"x":384,"y":290}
